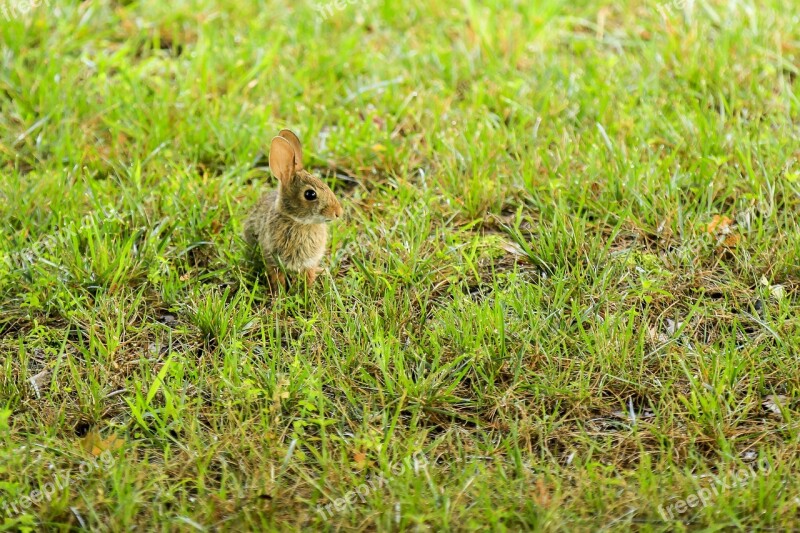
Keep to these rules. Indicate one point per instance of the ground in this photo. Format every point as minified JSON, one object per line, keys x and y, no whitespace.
{"x":565,"y":294}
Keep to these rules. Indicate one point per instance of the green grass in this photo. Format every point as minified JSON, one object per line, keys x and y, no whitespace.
{"x":565,"y":294}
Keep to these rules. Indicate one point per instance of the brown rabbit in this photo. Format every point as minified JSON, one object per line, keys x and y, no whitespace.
{"x":290,"y":224}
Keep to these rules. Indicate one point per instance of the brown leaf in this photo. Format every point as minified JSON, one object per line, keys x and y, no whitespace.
{"x":95,"y":444}
{"x":732,"y":240}
{"x":542,"y":496}
{"x":719,"y":223}
{"x":360,"y":459}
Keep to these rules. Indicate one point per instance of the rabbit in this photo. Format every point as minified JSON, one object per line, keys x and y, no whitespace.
{"x":290,"y":224}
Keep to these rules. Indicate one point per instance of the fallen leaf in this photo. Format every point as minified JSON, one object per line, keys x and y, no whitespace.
{"x":513,"y":248}
{"x":673,"y":326}
{"x":773,"y":403}
{"x":360,"y":458}
{"x":719,"y":222}
{"x":722,"y":227}
{"x":732,"y":240}
{"x":39,"y":381}
{"x":543,"y":495}
{"x":95,"y":444}
{"x":777,"y":292}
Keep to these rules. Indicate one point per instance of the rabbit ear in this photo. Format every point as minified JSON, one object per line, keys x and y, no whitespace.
{"x":298,"y":150}
{"x":282,"y":160}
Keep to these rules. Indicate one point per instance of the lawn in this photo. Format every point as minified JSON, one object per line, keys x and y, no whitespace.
{"x":564,"y":295}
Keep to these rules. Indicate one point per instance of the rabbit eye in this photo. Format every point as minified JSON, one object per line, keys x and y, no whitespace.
{"x":310,"y":194}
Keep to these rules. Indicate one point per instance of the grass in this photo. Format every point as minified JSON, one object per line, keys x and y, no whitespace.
{"x":565,"y":294}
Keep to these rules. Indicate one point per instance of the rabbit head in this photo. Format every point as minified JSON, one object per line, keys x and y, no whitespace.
{"x":302,"y":196}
